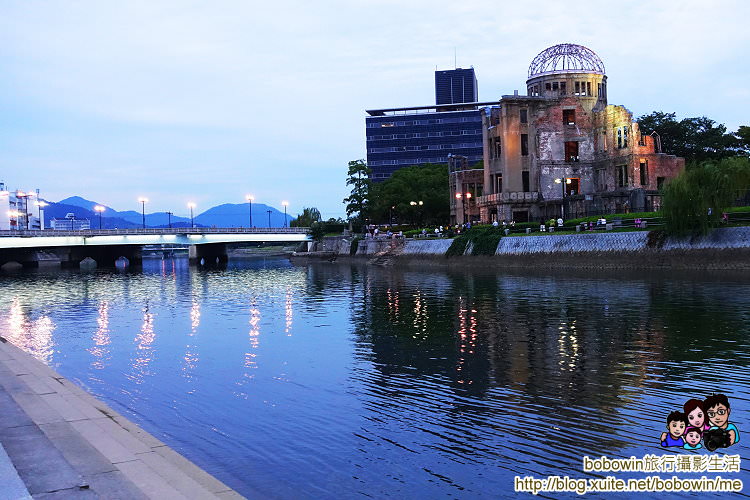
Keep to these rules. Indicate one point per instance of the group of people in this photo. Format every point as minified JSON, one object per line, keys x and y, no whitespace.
{"x":699,"y":418}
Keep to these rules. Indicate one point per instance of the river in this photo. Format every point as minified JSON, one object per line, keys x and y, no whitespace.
{"x":343,"y":381}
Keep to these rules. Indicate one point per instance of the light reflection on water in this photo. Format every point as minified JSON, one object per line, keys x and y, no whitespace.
{"x":335,"y":381}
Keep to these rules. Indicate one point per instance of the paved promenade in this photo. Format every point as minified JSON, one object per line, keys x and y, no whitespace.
{"x":59,"y":442}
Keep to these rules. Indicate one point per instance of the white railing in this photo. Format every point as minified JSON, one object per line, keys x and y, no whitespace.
{"x":154,"y":231}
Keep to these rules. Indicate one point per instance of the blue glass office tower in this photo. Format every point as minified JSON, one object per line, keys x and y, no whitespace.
{"x":399,"y":137}
{"x":453,"y":86}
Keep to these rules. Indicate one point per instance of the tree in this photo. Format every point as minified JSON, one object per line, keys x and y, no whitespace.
{"x":743,"y":139}
{"x":307,"y":218}
{"x":357,"y":202}
{"x":694,"y":201}
{"x":426,"y":183}
{"x":695,"y":139}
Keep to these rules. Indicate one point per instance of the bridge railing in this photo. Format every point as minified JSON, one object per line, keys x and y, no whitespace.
{"x":154,"y":231}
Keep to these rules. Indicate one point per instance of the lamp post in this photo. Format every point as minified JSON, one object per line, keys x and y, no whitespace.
{"x":269,"y":218}
{"x":41,"y":204}
{"x":286,"y":204}
{"x":562,"y":183}
{"x":143,"y":209}
{"x":191,"y":206}
{"x":419,"y":212}
{"x":99,"y":209}
{"x":250,"y":198}
{"x":463,"y":197}
{"x":169,"y":219}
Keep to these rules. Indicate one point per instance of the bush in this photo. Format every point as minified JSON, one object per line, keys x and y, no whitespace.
{"x":695,"y":200}
{"x":458,"y":247}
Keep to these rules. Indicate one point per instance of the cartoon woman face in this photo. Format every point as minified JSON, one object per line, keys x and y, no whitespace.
{"x":696,"y":418}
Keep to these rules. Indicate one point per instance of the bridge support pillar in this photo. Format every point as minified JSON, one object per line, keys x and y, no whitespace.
{"x":208,"y":254}
{"x":105,"y":256}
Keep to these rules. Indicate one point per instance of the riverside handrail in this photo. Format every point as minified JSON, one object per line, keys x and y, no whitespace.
{"x":150,"y":231}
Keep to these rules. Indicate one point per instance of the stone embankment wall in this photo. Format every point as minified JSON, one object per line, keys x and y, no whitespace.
{"x":726,"y":248}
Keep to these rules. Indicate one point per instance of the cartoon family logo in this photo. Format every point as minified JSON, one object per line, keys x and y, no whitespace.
{"x":686,"y":428}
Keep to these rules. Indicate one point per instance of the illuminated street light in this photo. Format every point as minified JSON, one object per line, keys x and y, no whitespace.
{"x":143,"y":202}
{"x":250,"y":199}
{"x":191,"y":206}
{"x":562,"y":183}
{"x":99,"y":209}
{"x":286,"y":204}
{"x":41,"y":204}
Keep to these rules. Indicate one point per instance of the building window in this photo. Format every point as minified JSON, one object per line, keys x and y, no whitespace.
{"x":622,"y":176}
{"x":571,"y":151}
{"x":588,"y":88}
{"x":604,"y":140}
{"x":548,"y":86}
{"x":619,"y":138}
{"x":386,"y":124}
{"x":499,"y":183}
{"x":624,"y":137}
{"x":660,"y":183}
{"x":525,"y":181}
{"x":562,"y":88}
{"x":644,"y":172}
{"x":524,"y":145}
{"x":524,"y":116}
{"x":554,"y":85}
{"x":495,"y":147}
{"x":578,"y":88}
{"x":569,"y":116}
{"x":598,"y":89}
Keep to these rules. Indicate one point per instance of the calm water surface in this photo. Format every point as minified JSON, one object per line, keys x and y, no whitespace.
{"x":340,"y":381}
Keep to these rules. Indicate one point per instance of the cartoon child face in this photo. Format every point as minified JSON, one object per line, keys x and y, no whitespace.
{"x":696,"y":418}
{"x":718,"y":415}
{"x":676,"y":428}
{"x":693,"y":437}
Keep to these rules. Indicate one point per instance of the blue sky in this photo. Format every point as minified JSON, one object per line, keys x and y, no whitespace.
{"x":208,"y":101}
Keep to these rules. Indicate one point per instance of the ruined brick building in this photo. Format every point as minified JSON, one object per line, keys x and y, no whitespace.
{"x":561,"y":149}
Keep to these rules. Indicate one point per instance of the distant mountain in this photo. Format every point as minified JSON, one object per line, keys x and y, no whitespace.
{"x":226,"y":215}
{"x":238,"y":215}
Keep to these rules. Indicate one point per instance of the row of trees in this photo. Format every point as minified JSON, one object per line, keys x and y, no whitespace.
{"x":696,"y":139}
{"x":412,"y":195}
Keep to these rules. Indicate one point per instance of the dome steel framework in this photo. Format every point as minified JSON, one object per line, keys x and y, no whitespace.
{"x":565,"y":58}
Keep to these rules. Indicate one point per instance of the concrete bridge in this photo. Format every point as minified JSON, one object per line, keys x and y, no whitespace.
{"x":105,"y":246}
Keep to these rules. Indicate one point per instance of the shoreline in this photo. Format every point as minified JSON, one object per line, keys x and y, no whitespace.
{"x":64,"y":442}
{"x":722,"y":249}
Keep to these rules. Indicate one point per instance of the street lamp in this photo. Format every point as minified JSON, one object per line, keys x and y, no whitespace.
{"x":269,"y":218}
{"x":100,"y":209}
{"x":250,"y":199}
{"x":191,"y":206}
{"x":169,"y":218}
{"x":414,"y":204}
{"x":286,"y":204}
{"x":562,"y":183}
{"x":143,"y":209}
{"x":41,"y":204}
{"x":463,"y":197}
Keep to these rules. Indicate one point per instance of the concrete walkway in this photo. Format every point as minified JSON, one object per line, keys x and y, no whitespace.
{"x":64,"y":443}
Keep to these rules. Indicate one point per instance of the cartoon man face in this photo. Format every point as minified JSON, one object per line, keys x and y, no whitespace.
{"x":696,"y":418}
{"x":718,"y":415}
{"x":676,"y":428}
{"x":693,"y":437}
